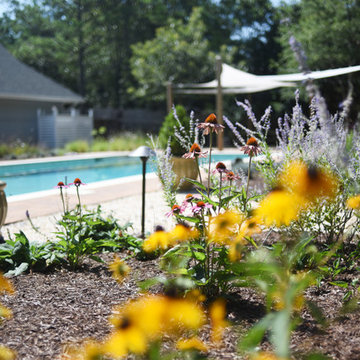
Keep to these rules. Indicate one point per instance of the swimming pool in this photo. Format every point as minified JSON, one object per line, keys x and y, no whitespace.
{"x":35,"y":176}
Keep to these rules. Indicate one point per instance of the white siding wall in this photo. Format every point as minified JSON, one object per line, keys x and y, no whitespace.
{"x":56,"y":130}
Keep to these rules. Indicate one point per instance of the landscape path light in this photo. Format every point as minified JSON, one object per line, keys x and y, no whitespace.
{"x":143,"y":152}
{"x":3,"y":207}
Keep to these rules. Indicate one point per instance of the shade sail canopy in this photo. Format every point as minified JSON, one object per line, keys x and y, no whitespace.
{"x":235,"y":81}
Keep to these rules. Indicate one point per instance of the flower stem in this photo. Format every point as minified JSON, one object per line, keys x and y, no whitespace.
{"x":210,"y":149}
{"x":248,"y":179}
{"x":78,"y":196}
{"x":62,"y":200}
{"x":220,"y":187}
{"x":198,"y":166}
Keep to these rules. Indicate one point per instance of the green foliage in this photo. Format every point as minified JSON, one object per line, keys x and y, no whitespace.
{"x":179,"y":52}
{"x":86,"y":234}
{"x":328,"y":32}
{"x":78,"y":146}
{"x":18,"y":256}
{"x":120,"y":142}
{"x":167,"y":130}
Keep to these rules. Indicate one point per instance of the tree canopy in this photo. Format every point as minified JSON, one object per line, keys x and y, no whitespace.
{"x":121,"y":53}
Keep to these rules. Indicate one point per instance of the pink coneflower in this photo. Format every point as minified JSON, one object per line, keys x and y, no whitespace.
{"x":61,"y":185}
{"x":200,"y":206}
{"x":210,"y":125}
{"x":77,"y":182}
{"x":189,"y":198}
{"x":251,"y":148}
{"x":230,"y":176}
{"x":175,"y":210}
{"x":195,"y":152}
{"x":220,"y":168}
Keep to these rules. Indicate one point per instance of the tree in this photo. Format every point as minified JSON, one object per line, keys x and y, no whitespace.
{"x":179,"y":53}
{"x":329,"y":32}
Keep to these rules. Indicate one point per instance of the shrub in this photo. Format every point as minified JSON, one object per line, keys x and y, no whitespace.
{"x":79,"y":146}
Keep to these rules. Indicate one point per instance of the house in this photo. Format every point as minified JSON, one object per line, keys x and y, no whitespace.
{"x":32,"y":107}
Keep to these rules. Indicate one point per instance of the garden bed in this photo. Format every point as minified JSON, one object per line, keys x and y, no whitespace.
{"x":53,"y":310}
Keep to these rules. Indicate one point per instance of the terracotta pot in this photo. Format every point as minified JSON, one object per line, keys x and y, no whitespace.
{"x":185,"y":168}
{"x":3,"y":203}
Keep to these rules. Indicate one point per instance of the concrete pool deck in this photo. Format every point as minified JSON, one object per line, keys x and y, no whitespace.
{"x":49,"y":202}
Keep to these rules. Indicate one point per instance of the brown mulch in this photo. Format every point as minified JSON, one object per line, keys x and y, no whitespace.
{"x":53,"y":310}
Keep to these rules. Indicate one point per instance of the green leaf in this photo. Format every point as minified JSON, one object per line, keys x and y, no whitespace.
{"x":342,"y":284}
{"x":199,"y":256}
{"x":18,"y":270}
{"x":253,"y":337}
{"x":316,"y":313}
{"x":196,"y":183}
{"x":280,"y":333}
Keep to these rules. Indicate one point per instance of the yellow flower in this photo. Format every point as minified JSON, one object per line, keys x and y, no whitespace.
{"x":193,"y":343}
{"x":88,"y":351}
{"x":217,"y":314}
{"x":182,"y":314}
{"x":264,"y":355}
{"x":128,"y":339}
{"x":224,"y":226}
{"x":5,"y":312}
{"x":183,"y":233}
{"x":6,"y":353}
{"x":235,"y":250}
{"x":159,"y":239}
{"x":280,"y":207}
{"x":249,"y":227}
{"x":196,"y":296}
{"x":5,"y":285}
{"x":309,"y":181}
{"x":146,"y":313}
{"x":354,"y":202}
{"x":119,"y":269}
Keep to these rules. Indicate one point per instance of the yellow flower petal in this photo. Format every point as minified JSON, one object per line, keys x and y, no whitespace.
{"x":354,"y":202}
{"x":280,"y":207}
{"x":193,"y":343}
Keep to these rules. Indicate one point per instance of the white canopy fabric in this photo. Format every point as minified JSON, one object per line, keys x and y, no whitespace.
{"x":235,"y":81}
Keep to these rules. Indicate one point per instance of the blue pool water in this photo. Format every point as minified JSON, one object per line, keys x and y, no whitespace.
{"x":31,"y":177}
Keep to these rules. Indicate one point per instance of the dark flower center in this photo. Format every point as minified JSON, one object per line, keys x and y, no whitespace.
{"x":200,"y":204}
{"x":195,"y":148}
{"x":313,"y":172}
{"x":252,"y":141}
{"x":60,"y":184}
{"x":176,"y":208}
{"x":77,"y":181}
{"x":211,"y":119}
{"x":220,"y":166}
{"x":159,"y":228}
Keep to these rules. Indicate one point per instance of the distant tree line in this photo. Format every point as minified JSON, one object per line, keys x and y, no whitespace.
{"x":120,"y":53}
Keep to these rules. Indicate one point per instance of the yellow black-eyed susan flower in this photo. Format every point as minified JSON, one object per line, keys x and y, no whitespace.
{"x":119,"y":269}
{"x":224,"y":226}
{"x":5,"y":285}
{"x":280,"y":207}
{"x":160,"y":239}
{"x":126,"y":339}
{"x":193,"y":343}
{"x":6,"y":353}
{"x":311,"y":182}
{"x":217,"y":314}
{"x":353,"y":202}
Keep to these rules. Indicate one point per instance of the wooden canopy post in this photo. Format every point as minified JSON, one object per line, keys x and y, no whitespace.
{"x":169,"y":96}
{"x":219,"y":102}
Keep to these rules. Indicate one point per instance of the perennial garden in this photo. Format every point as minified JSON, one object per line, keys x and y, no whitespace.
{"x":251,"y":272}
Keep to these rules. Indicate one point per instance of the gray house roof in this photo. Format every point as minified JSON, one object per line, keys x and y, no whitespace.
{"x":21,"y":82}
